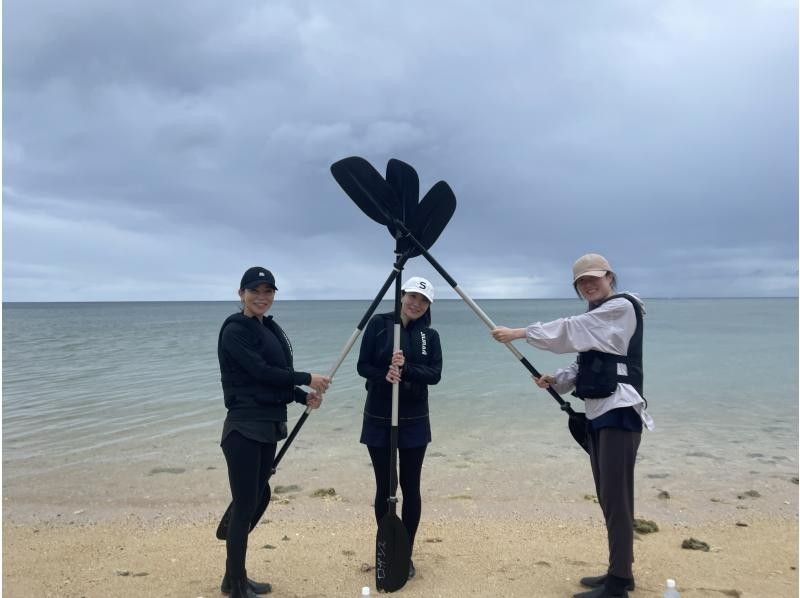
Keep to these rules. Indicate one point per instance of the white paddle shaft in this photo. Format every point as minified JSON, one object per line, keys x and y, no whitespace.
{"x":396,"y":385}
{"x":486,"y":320}
{"x":345,"y":350}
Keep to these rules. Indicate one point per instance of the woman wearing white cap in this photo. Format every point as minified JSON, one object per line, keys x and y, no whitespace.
{"x":415,"y":366}
{"x":608,"y":375}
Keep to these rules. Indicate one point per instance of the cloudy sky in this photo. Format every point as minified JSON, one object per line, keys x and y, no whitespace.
{"x":154,"y":150}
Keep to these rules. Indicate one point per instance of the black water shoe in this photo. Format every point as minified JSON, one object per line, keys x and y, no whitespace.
{"x":239,"y":588}
{"x":411,"y":569}
{"x":254,"y":586}
{"x":601,"y":592}
{"x":600,"y":580}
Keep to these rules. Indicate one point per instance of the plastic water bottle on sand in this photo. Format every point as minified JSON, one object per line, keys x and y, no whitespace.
{"x":365,"y":591}
{"x":671,"y":592}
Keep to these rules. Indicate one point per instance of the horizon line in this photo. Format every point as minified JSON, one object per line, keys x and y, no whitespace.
{"x":692,"y":297}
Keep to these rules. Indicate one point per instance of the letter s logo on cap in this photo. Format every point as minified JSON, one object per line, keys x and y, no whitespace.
{"x":421,"y":285}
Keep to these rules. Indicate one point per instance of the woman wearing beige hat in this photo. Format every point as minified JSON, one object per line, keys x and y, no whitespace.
{"x":608,"y":376}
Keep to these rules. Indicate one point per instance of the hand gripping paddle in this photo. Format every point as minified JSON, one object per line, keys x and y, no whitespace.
{"x":360,"y":180}
{"x":429,"y":221}
{"x":373,"y":197}
{"x":392,"y":546}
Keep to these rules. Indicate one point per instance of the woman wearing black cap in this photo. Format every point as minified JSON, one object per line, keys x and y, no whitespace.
{"x":414,"y":367}
{"x":608,"y":375}
{"x":258,"y":381}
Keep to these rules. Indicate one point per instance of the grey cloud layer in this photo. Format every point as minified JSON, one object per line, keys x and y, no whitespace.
{"x":162,"y":148}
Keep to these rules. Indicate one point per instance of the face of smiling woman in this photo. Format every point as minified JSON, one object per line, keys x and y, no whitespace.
{"x":595,"y":288}
{"x":414,"y":306}
{"x":257,"y":301}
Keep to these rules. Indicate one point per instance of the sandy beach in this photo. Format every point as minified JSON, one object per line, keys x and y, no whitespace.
{"x":512,"y":526}
{"x":530,"y":528}
{"x":314,"y":547}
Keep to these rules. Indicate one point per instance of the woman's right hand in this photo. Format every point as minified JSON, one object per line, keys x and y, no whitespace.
{"x":319,"y":383}
{"x":544,"y":381}
{"x":398,"y":358}
{"x":505,"y":335}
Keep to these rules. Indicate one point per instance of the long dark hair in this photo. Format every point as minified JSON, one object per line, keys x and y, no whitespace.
{"x":426,"y":317}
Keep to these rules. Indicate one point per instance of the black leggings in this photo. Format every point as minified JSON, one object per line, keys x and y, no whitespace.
{"x":249,"y":468}
{"x":410,"y":474}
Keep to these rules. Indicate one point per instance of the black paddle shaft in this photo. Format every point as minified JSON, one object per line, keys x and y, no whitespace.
{"x":395,"y":273}
{"x":376,"y":198}
{"x":402,"y":230}
{"x":222,"y":528}
{"x":577,"y":421}
{"x":428,"y":222}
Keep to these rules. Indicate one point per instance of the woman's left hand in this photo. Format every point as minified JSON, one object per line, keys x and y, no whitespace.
{"x":313,"y":400}
{"x":393,"y":375}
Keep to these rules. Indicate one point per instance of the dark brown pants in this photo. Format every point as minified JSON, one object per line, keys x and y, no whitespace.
{"x":613,"y":455}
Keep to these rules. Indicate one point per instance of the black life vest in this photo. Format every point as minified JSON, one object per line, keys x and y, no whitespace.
{"x":597,"y":371}
{"x":235,"y":378}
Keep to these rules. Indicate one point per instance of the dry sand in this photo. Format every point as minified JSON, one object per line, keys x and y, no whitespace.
{"x":138,"y":531}
{"x":331,"y":552}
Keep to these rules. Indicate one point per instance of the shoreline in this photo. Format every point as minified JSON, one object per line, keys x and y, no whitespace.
{"x":454,"y":484}
{"x":330,"y":552}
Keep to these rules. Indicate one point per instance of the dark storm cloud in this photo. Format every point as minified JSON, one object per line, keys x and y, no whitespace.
{"x":155,"y":150}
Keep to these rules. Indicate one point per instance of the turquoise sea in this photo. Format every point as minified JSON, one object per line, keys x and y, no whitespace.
{"x":110,"y":400}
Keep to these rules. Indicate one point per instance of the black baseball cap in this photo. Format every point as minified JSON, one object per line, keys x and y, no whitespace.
{"x":255,"y":276}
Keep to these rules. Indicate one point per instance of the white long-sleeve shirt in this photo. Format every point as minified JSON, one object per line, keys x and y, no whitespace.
{"x":607,"y":328}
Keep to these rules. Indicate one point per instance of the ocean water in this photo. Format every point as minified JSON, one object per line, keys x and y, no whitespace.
{"x":110,"y":400}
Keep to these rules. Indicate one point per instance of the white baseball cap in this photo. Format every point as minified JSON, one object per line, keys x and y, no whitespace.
{"x":417,"y":284}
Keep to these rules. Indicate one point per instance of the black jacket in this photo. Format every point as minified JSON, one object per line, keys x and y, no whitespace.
{"x":256,"y":366}
{"x":423,"y":353}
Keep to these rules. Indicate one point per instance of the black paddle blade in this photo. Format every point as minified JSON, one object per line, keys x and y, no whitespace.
{"x":432,"y":215}
{"x":222,"y":528}
{"x":577,"y":427}
{"x":403,"y":179}
{"x":367,"y":188}
{"x":392,"y":554}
